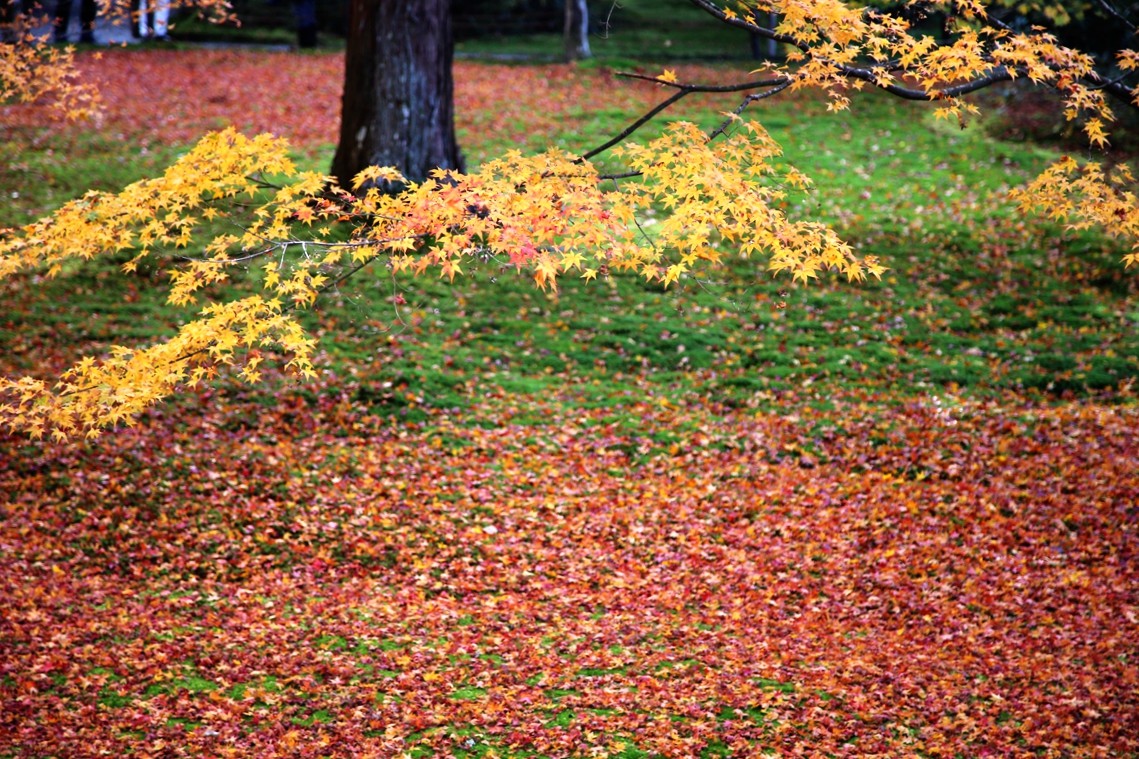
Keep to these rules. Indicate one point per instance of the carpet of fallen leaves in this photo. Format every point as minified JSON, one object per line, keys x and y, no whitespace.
{"x":174,"y":96}
{"x":306,"y":580}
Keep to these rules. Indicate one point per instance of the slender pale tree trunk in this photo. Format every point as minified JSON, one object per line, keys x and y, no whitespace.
{"x":577,"y":30}
{"x":398,"y":104}
{"x":772,"y":49}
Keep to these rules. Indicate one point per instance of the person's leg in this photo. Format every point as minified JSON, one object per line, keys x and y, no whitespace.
{"x":144,"y":29}
{"x":88,"y":11}
{"x":161,"y":18}
{"x":305,"y":12}
{"x":62,"y":20}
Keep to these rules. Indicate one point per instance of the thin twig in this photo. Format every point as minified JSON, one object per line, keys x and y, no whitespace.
{"x":1114,"y":12}
{"x":627,"y":131}
{"x":753,"y":97}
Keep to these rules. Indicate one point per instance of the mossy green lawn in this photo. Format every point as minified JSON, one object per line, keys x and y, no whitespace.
{"x":979,"y":300}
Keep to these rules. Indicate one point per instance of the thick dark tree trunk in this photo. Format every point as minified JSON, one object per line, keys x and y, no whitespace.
{"x":577,"y":30}
{"x":398,"y":105}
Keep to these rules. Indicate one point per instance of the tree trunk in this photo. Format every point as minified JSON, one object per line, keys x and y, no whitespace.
{"x":577,"y":30}
{"x":757,"y":48}
{"x":398,"y":104}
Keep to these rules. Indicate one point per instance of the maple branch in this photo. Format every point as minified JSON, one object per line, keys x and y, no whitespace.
{"x":629,"y":130}
{"x":682,"y":90}
{"x":1114,"y":13}
{"x":750,"y":26}
{"x":720,"y":88}
{"x":344,"y":277}
{"x":865,"y":74}
{"x":999,"y":74}
{"x":230,"y":260}
{"x":622,"y":175}
{"x":995,"y":22}
{"x":751,"y":98}
{"x":1116,"y":87}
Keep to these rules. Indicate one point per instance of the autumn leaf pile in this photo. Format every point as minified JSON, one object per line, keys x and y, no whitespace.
{"x":258,"y":92}
{"x":935,"y":581}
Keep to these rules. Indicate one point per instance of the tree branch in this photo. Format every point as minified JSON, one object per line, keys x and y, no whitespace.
{"x":751,"y":98}
{"x":741,"y":23}
{"x":999,"y":74}
{"x":1114,"y":13}
{"x":1116,"y":88}
{"x":644,"y":119}
{"x":682,"y":90}
{"x":712,"y":88}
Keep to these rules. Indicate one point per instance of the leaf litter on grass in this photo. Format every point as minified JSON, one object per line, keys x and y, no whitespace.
{"x":257,"y":91}
{"x":937,"y":580}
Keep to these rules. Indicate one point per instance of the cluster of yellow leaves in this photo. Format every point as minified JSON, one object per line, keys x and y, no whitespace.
{"x":724,"y":192}
{"x":1084,"y":196}
{"x":549,"y":214}
{"x":32,"y":70}
{"x":837,"y":46}
{"x":96,"y":394}
{"x":162,"y":211}
{"x":546,"y":213}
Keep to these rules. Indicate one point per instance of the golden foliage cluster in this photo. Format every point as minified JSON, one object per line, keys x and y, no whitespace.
{"x":550,"y":214}
{"x":839,"y":46}
{"x":34,"y":70}
{"x":1086,"y":196}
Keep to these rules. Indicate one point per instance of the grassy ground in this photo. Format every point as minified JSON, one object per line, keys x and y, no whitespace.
{"x":652,"y":30}
{"x":635,"y":30}
{"x":978,"y":300}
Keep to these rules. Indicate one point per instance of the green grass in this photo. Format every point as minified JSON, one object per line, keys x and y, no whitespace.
{"x":978,"y":299}
{"x":41,"y":170}
{"x":632,"y":30}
